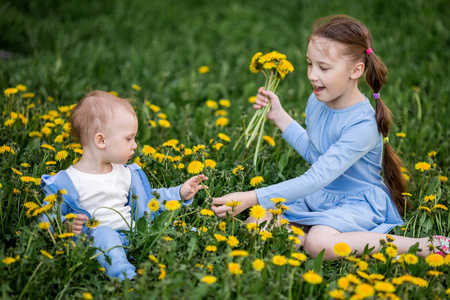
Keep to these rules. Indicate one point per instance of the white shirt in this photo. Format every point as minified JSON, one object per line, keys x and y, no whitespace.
{"x":98,"y":191}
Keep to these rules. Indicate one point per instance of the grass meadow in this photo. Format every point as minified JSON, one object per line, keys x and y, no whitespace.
{"x":54,"y":52}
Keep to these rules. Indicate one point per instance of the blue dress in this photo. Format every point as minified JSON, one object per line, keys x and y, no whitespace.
{"x":343,"y":187}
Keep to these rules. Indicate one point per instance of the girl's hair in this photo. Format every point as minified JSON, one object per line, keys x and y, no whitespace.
{"x":357,"y":39}
{"x":93,"y":113}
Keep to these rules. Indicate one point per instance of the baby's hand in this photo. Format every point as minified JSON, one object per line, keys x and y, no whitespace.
{"x":76,"y":226}
{"x":192,"y":186}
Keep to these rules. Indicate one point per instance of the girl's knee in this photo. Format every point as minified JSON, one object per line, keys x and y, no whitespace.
{"x":315,"y":245}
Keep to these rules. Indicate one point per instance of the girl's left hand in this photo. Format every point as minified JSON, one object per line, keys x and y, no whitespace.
{"x":247,"y":200}
{"x":192,"y":186}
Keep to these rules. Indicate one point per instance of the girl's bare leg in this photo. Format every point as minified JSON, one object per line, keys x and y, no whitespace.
{"x":324,"y":237}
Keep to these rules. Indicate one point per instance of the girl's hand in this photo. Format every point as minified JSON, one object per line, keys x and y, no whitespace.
{"x":247,"y":199}
{"x":76,"y":226}
{"x":277,"y":113}
{"x":192,"y":186}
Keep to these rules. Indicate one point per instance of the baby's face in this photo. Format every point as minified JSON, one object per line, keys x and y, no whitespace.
{"x":119,"y":137}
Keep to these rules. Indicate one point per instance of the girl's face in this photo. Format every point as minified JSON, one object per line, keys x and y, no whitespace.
{"x":330,"y":73}
{"x":119,"y":137}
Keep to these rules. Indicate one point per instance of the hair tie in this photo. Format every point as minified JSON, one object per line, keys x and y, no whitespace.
{"x":369,"y":51}
{"x":385,"y":140}
{"x":376,"y":96}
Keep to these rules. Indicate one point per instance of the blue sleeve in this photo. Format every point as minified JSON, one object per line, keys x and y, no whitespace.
{"x":355,"y":141}
{"x":172,"y":193}
{"x":297,"y":137}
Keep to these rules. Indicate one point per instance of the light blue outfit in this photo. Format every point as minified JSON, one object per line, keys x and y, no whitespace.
{"x":343,"y":187}
{"x":105,"y":237}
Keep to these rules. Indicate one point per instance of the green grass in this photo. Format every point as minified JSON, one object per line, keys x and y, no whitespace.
{"x":64,"y":49}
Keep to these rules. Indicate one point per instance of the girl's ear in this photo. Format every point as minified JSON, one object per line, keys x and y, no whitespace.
{"x":357,"y":71}
{"x":99,"y":140}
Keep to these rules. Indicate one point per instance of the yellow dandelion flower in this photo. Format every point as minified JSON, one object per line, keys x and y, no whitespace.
{"x":297,"y":231}
{"x":222,"y":121}
{"x":239,"y":253}
{"x":299,"y":256}
{"x":434,"y":260}
{"x":429,"y":198}
{"x":232,"y":241}
{"x":434,"y":273}
{"x":163,"y":273}
{"x":152,"y":123}
{"x":252,"y":99}
{"x":252,"y":227}
{"x":258,"y":264}
{"x":153,"y":205}
{"x":225,"y":103}
{"x":154,"y":108}
{"x":21,"y":87}
{"x":222,"y":226}
{"x":153,"y":258}
{"x":136,"y":87}
{"x":364,"y":290}
{"x":207,"y":212}
{"x":424,"y":208}
{"x":203,"y":69}
{"x":224,"y":137}
{"x":277,"y":200}
{"x":379,"y":256}
{"x":362,"y":265}
{"x":209,"y":279}
{"x":337,"y":294}
{"x":401,"y":135}
{"x":410,"y":259}
{"x":66,"y":235}
{"x":265,"y":235}
{"x":164,"y":123}
{"x":235,"y":268}
{"x":432,"y":154}
{"x":44,"y":225}
{"x":342,"y":249}
{"x":293,"y":262}
{"x":195,"y":167}
{"x":422,"y":166}
{"x":279,"y":260}
{"x":217,"y":146}
{"x":211,"y":248}
{"x":173,"y":205}
{"x":8,"y":260}
{"x":256,"y":181}
{"x":391,"y":252}
{"x":212,"y":104}
{"x":258,"y":212}
{"x":171,"y":143}
{"x":27,"y":95}
{"x":27,"y":179}
{"x":209,"y":163}
{"x":255,"y":64}
{"x":312,"y":277}
{"x":61,"y":155}
{"x":269,"y":140}
{"x":220,"y":238}
{"x":198,"y":148}
{"x":233,"y":203}
{"x":46,"y":254}
{"x":343,"y":283}
{"x":221,"y":112}
{"x":71,"y":216}
{"x":92,"y":223}
{"x":10,"y":91}
{"x":443,"y":178}
{"x":238,"y":169}
{"x":148,"y":150}
{"x":440,"y":206}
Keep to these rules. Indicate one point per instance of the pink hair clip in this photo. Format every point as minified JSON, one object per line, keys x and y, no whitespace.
{"x":369,"y":51}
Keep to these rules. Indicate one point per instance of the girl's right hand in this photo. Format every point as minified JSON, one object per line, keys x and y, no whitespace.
{"x":277,"y":113}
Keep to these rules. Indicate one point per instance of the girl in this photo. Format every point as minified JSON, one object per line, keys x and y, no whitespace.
{"x":342,"y":197}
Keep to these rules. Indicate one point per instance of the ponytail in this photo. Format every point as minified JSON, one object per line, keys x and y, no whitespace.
{"x":376,"y":76}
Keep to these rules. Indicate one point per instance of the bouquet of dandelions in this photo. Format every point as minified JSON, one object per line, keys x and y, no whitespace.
{"x":274,"y":66}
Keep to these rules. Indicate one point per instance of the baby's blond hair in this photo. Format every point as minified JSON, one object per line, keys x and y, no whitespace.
{"x":93,"y":113}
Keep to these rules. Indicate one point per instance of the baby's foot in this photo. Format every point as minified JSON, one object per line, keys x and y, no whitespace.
{"x":444,"y":241}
